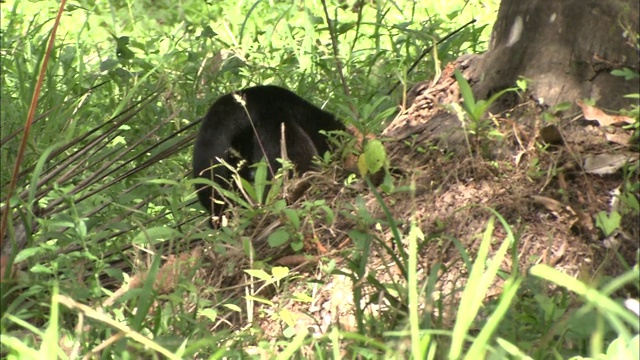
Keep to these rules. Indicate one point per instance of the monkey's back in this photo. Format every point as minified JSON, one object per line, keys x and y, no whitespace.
{"x":230,"y":123}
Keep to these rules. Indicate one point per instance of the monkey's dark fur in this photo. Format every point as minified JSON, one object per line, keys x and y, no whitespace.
{"x":227,"y":126}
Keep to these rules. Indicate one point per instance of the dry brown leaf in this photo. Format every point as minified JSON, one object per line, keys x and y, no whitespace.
{"x":607,"y":163}
{"x":552,"y":205}
{"x":593,"y":113}
{"x":293,"y":260}
{"x":622,"y":139}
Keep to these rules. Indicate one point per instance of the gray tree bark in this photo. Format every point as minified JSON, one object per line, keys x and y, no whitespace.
{"x":566,"y":48}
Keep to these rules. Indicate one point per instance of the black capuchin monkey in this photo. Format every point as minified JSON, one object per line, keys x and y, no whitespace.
{"x":227,"y":133}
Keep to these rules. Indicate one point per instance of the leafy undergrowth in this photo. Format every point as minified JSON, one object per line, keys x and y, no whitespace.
{"x":453,"y":254}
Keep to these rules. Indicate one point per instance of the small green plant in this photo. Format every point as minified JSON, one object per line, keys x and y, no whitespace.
{"x":602,"y":319}
{"x":608,"y":222}
{"x":483,"y":273}
{"x":373,"y":158}
{"x":634,"y":111}
{"x":477,"y":125}
{"x":475,"y":110}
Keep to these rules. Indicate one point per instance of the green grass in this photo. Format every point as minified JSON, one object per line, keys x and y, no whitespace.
{"x":106,"y":174}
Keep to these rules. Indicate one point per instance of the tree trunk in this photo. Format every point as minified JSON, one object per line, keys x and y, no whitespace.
{"x":567,"y":49}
